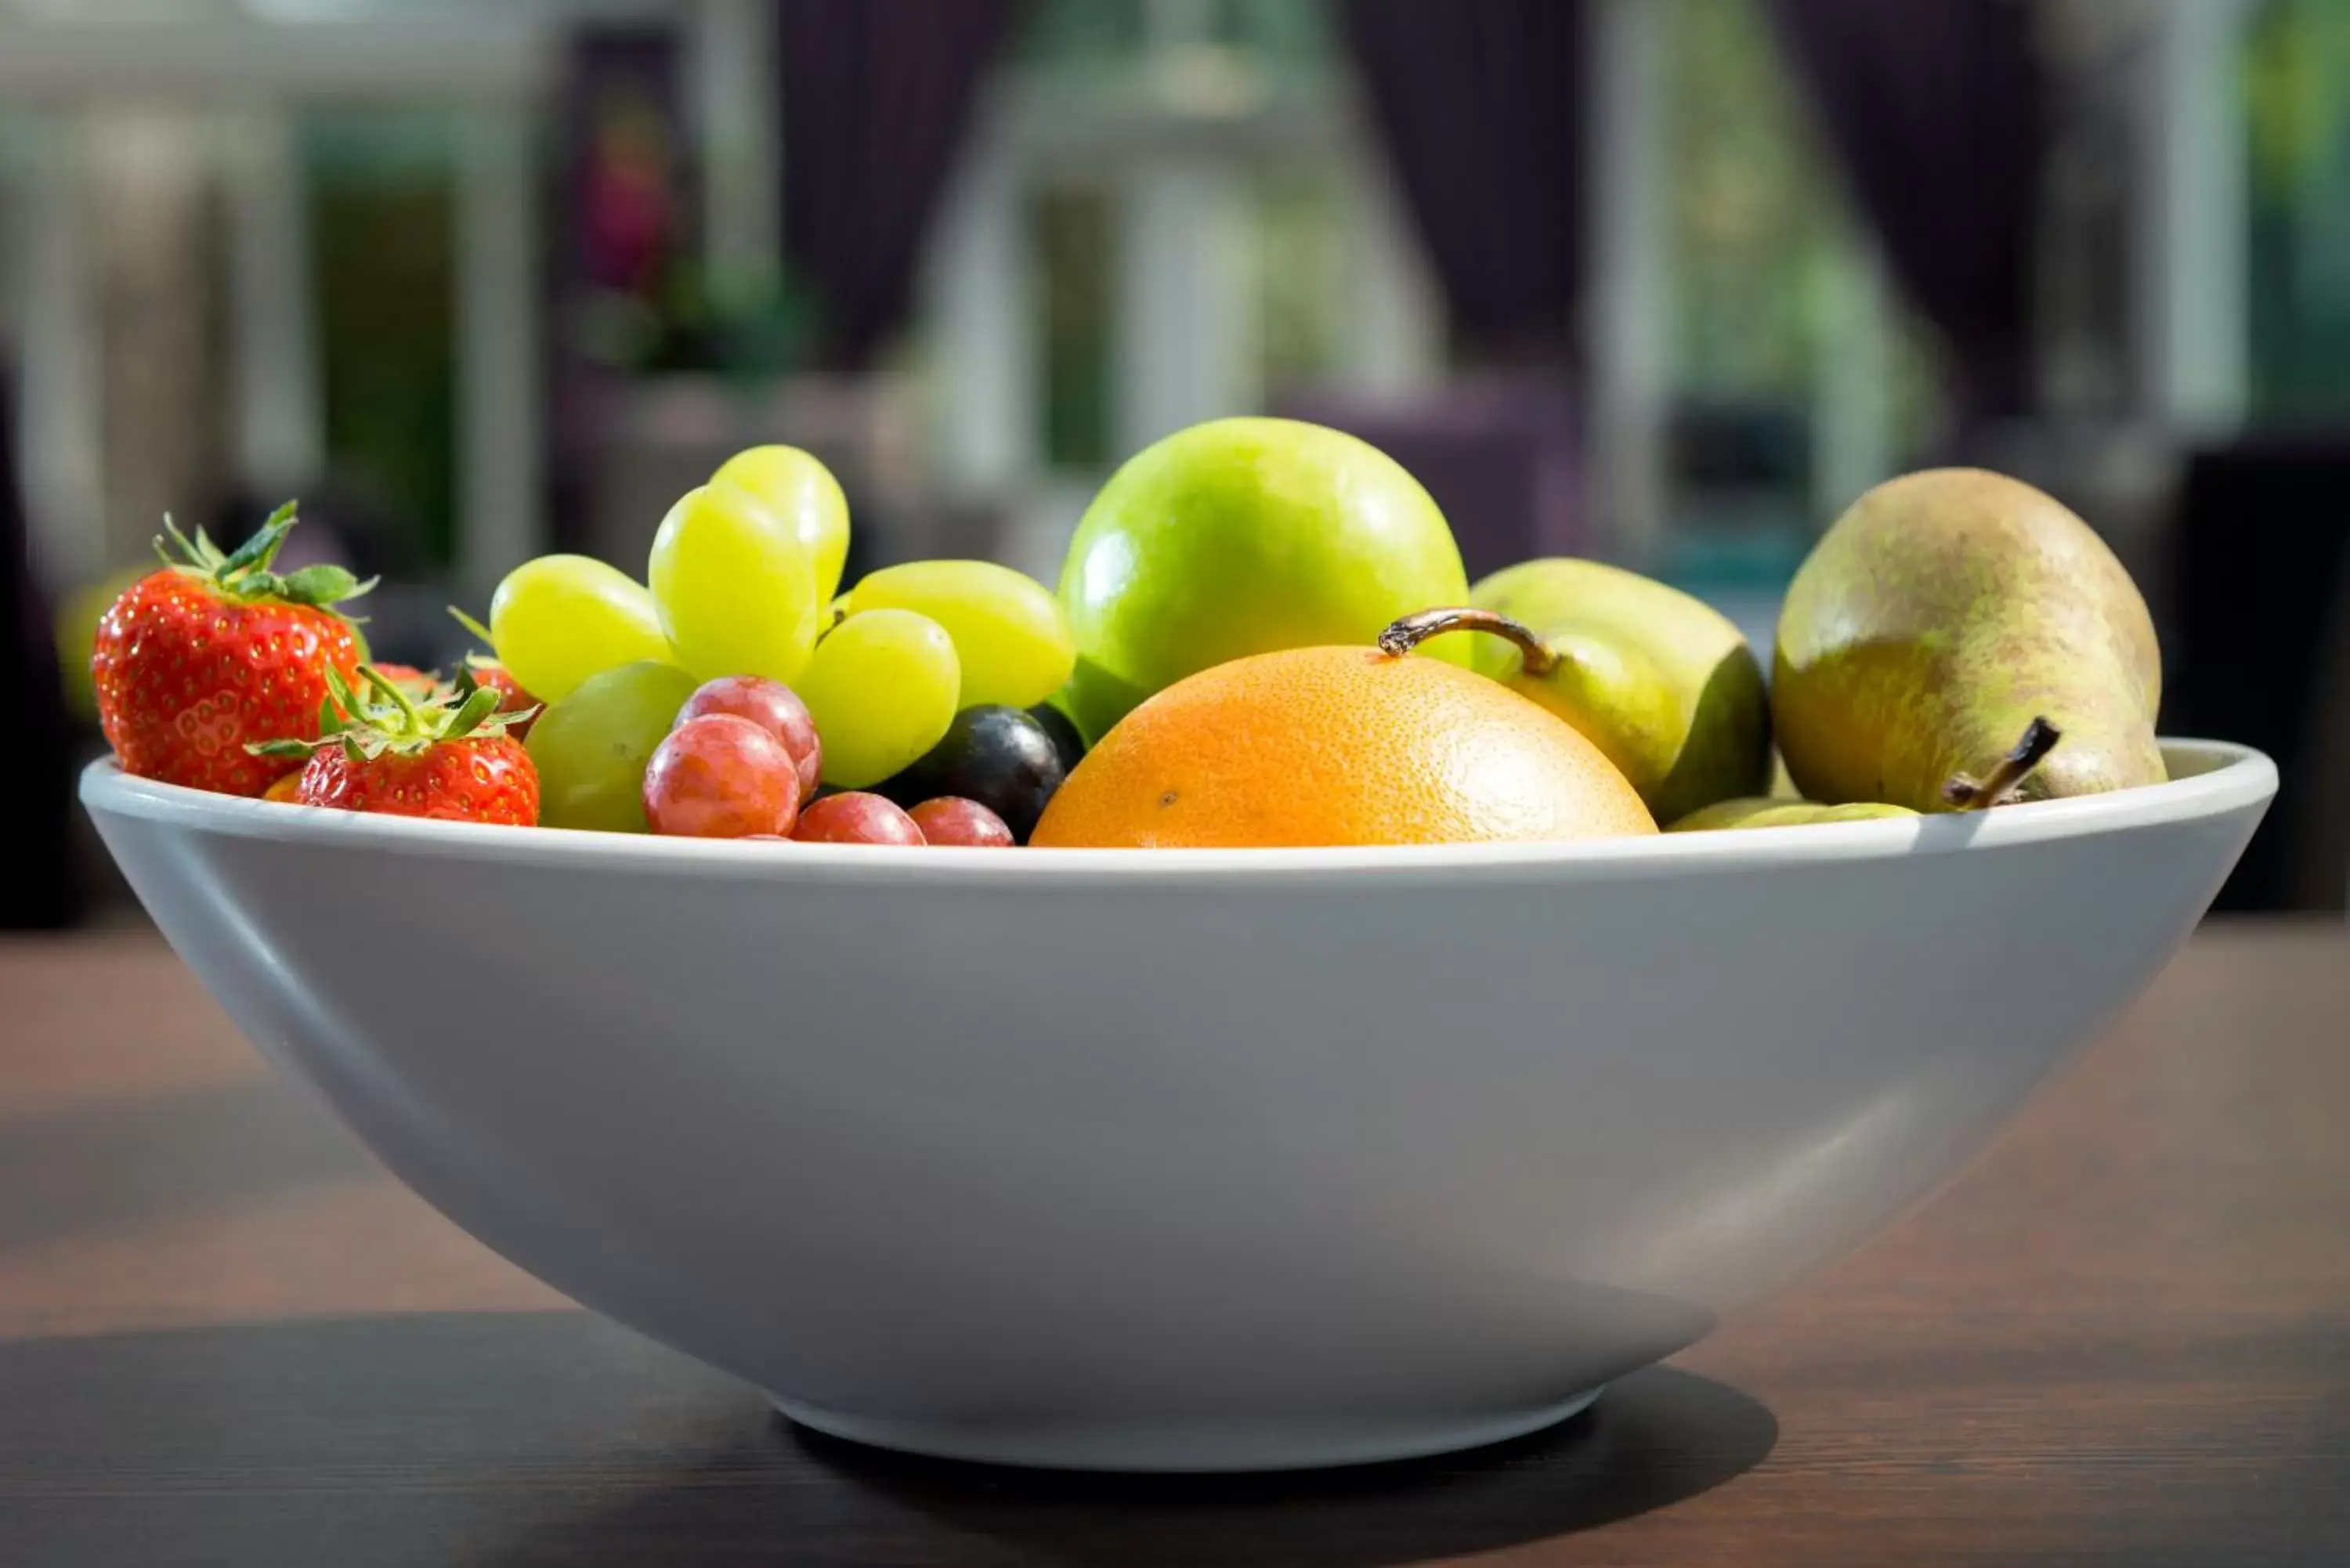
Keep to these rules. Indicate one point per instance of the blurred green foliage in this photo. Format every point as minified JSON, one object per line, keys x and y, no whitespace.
{"x":1754,"y":215}
{"x":2297,"y":105}
{"x":1074,"y":235}
{"x":1761,"y":238}
{"x":1302,"y":269}
{"x":382,"y":197}
{"x":2296,"y":91}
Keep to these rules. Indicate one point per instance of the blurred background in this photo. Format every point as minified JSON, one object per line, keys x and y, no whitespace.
{"x":1667,"y":282}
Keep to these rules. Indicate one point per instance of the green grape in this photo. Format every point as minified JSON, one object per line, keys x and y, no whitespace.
{"x":591,"y":747}
{"x":559,"y":619}
{"x":882,"y":688}
{"x":1009,"y":631}
{"x":802,"y":494}
{"x":734,"y":587}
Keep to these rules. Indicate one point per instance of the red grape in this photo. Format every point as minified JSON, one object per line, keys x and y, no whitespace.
{"x":774,"y":708}
{"x":855,"y":817}
{"x":950,"y":819}
{"x":720,"y":776}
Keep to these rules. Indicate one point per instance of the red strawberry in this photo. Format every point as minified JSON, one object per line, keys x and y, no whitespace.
{"x":447,"y":757}
{"x":512,"y":698}
{"x":194,"y":662}
{"x":488,"y":671}
{"x":418,"y":683}
{"x":481,"y":778}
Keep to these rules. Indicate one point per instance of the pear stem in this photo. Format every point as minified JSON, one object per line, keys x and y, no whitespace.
{"x":1403,"y":635}
{"x":2039,"y":737}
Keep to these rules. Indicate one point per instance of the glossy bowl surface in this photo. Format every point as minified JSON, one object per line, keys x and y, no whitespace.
{"x":1166,"y":1160}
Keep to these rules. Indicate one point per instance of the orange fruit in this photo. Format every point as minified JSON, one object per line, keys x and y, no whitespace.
{"x":1339,"y":746}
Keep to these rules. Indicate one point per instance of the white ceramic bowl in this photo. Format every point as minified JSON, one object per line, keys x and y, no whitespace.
{"x":1166,"y":1160}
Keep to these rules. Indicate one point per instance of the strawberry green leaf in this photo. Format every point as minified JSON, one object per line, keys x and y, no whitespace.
{"x":389,"y":692}
{"x":256,"y":553}
{"x":478,"y":705}
{"x":379,"y":716}
{"x":319,"y":585}
{"x":202,"y":557}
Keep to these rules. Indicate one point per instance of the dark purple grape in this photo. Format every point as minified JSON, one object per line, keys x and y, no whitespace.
{"x":1063,"y":730}
{"x":999,"y":756}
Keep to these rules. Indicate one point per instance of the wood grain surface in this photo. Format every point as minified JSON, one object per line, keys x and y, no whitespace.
{"x":226,"y":1338}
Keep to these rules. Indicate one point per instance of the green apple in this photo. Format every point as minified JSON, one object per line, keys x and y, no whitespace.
{"x":1242,"y":536}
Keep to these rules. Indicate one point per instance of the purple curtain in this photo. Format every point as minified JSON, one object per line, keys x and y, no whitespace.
{"x":1481,"y":105}
{"x":1937,"y":112}
{"x":2257,"y":646}
{"x":877,"y":95}
{"x":37,"y":785}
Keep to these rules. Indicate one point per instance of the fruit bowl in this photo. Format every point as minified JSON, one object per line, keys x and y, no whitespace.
{"x":1179,"y":1159}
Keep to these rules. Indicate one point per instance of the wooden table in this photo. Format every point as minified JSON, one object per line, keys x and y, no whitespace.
{"x":226,"y":1338}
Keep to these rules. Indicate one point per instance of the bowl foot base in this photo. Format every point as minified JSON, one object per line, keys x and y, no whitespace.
{"x":1204,"y":1445}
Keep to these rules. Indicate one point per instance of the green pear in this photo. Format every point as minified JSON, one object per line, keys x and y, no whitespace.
{"x":1943,"y":634}
{"x":1769,"y":811}
{"x":1242,"y":536}
{"x":1662,"y":682}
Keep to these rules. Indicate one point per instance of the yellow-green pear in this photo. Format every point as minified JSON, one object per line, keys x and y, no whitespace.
{"x":1662,"y":684}
{"x":1769,"y":811}
{"x":1944,"y":633}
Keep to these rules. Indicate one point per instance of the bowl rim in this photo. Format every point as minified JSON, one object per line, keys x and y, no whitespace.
{"x":2220,"y":777}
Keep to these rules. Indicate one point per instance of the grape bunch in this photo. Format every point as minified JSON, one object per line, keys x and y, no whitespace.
{"x":738,"y":693}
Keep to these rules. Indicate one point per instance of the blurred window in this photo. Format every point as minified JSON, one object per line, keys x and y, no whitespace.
{"x":1105,"y":40}
{"x":1107,"y":89}
{"x":1796,"y":378}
